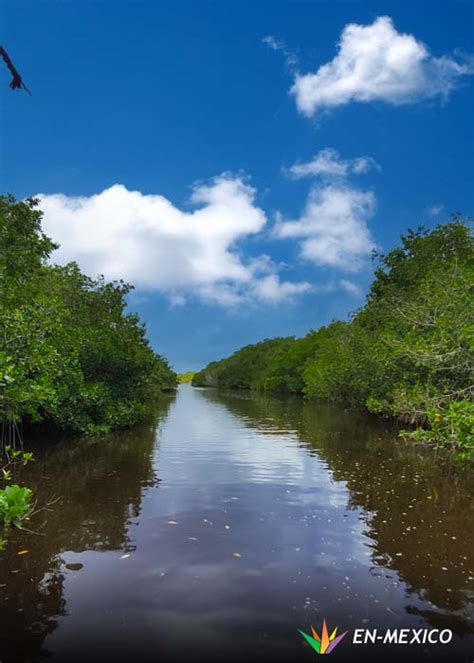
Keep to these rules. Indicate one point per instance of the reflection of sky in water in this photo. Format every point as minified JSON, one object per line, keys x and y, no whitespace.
{"x":215,"y":439}
{"x":247,"y":537}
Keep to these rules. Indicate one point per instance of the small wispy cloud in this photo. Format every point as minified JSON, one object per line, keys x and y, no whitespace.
{"x":350,"y":287}
{"x":434,"y":211}
{"x":328,"y":163}
{"x":274,"y":43}
{"x":291,"y":61}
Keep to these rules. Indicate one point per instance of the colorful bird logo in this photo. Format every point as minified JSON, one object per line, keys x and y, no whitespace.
{"x":325,"y":643}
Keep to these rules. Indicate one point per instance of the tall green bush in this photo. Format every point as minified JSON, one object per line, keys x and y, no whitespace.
{"x":70,"y":353}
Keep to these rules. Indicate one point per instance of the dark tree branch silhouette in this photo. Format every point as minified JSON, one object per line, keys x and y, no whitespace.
{"x":16,"y":83}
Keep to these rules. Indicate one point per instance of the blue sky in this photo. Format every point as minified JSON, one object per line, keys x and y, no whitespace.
{"x":237,"y":161}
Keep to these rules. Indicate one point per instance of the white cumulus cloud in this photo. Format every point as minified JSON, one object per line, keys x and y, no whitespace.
{"x":376,"y":63}
{"x":328,"y":163}
{"x":333,"y":228}
{"x":148,"y":241}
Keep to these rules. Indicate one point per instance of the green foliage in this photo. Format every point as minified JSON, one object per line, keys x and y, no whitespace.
{"x":408,"y":353}
{"x":285,"y":371}
{"x":245,"y":369}
{"x":186,"y":377}
{"x":453,"y":426}
{"x":70,"y":353}
{"x":15,"y":504}
{"x":12,"y":459}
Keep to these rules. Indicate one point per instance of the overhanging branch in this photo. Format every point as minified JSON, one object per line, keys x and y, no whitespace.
{"x":16,"y":82}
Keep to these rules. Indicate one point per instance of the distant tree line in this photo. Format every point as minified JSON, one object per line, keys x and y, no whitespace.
{"x":186,"y":377}
{"x":71,"y":355}
{"x":407,"y":353}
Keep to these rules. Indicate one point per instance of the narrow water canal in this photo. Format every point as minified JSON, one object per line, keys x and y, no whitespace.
{"x":232,"y":522}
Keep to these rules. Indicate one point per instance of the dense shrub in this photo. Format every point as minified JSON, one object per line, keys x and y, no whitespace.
{"x":245,"y":369}
{"x":70,"y":353}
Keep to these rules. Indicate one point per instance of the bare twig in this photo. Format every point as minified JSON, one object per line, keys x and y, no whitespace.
{"x":30,"y":531}
{"x":45,"y":507}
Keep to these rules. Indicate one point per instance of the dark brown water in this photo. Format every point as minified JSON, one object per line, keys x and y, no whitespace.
{"x":233,"y":522}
